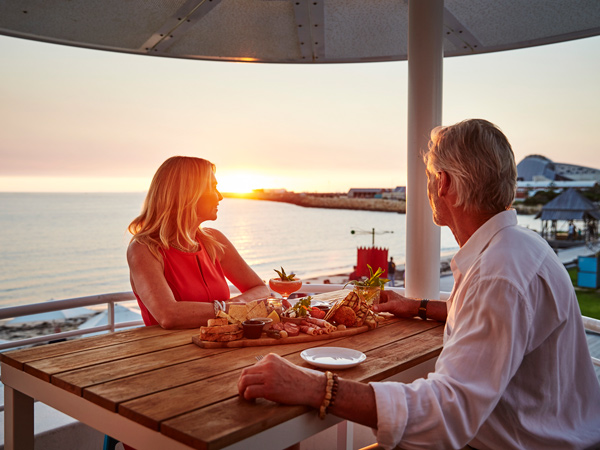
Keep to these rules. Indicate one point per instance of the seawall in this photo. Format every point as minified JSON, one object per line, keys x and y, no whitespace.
{"x":330,"y":201}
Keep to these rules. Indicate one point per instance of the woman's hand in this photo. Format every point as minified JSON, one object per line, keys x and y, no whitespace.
{"x":278,"y":380}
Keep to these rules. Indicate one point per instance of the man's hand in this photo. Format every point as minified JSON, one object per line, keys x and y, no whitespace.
{"x":397,"y":304}
{"x":278,"y":380}
{"x":400,"y":306}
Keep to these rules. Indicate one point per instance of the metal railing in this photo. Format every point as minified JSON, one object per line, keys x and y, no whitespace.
{"x":59,"y":305}
{"x":110,"y":300}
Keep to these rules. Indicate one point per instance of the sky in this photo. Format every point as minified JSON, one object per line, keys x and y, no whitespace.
{"x":79,"y":120}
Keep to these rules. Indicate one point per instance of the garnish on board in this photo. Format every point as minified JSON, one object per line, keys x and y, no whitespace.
{"x":374,"y":279}
{"x":300,"y":309}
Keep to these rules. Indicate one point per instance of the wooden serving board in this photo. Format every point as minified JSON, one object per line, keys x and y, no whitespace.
{"x":264,"y":340}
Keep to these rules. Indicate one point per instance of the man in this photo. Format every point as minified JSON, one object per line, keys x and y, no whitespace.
{"x":515,"y":371}
{"x":391,"y":271}
{"x":571,"y":235}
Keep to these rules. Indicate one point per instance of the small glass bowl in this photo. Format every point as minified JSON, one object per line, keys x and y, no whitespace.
{"x":253,"y":328}
{"x":267,"y":321}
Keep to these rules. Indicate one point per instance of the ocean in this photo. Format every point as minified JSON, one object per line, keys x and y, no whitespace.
{"x":65,"y":245}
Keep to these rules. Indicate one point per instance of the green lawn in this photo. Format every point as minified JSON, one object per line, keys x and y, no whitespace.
{"x":589,"y":299}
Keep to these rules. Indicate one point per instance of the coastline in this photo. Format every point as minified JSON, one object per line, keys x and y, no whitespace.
{"x":326,"y":201}
{"x":342,"y":201}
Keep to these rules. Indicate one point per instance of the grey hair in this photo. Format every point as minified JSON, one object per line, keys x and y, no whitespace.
{"x":480,"y":162}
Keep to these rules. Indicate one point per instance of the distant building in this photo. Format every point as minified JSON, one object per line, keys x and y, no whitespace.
{"x":398,"y":193}
{"x":530,"y":188}
{"x":366,"y":193}
{"x":540,"y":168}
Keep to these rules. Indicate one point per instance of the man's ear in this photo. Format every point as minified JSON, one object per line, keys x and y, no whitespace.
{"x":444,"y":183}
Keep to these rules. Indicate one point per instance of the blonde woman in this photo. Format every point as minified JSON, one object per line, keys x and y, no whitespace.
{"x":178,"y":269}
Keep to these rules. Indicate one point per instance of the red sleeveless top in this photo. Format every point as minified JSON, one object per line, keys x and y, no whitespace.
{"x":192,"y":277}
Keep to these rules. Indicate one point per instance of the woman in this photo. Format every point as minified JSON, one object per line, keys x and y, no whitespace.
{"x":177,"y":268}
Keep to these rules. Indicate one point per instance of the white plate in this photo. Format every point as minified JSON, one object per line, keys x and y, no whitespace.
{"x":333,"y":357}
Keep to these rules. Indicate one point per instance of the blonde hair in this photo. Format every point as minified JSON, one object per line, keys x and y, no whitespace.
{"x":480,"y":162}
{"x":169,"y":213}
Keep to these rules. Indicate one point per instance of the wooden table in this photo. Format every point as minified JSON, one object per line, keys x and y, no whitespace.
{"x":154,"y":389}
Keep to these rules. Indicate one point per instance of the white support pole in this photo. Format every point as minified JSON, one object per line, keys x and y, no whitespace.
{"x":425,"y":63}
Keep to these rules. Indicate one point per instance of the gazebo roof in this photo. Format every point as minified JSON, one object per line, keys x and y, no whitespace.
{"x":297,"y":31}
{"x":570,"y":205}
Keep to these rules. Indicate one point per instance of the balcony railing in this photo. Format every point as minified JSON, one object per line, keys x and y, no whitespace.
{"x":111,"y":299}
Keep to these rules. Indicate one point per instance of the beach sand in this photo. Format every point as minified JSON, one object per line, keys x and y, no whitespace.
{"x":25,"y":330}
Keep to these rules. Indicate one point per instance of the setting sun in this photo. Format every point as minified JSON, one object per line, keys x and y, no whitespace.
{"x":238,"y":183}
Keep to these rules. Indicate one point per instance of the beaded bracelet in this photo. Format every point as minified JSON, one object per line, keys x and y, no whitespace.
{"x":334,"y":390}
{"x":331,"y":388}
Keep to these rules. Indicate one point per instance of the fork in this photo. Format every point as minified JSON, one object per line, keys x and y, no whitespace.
{"x":259,"y":357}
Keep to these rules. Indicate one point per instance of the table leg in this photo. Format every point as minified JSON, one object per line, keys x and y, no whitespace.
{"x":18,"y":420}
{"x":345,"y":435}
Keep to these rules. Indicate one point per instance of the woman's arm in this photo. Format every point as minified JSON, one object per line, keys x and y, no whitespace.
{"x":149,"y":283}
{"x":239,"y":272}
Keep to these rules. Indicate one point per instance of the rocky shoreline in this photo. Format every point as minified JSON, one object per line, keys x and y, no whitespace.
{"x":327,"y":201}
{"x":341,"y":201}
{"x":26,"y":330}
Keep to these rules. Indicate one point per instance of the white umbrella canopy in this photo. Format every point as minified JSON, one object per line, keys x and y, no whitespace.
{"x":293,"y":31}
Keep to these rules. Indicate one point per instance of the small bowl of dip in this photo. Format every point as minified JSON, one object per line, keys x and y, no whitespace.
{"x":253,"y":328}
{"x":267,"y":322}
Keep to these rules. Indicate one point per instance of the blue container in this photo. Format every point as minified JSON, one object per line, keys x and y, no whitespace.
{"x":587,"y":264}
{"x":588,"y":280}
{"x":588,"y":275}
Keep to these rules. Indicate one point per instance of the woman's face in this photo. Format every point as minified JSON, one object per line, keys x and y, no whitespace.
{"x":209,"y":202}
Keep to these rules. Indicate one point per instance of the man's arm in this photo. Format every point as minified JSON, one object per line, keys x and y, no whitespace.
{"x":277,"y":379}
{"x":401,"y":306}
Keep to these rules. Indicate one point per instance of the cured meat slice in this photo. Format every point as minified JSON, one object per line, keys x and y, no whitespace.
{"x":291,"y":328}
{"x":323,"y":324}
{"x":278,"y":326}
{"x":313,"y":331}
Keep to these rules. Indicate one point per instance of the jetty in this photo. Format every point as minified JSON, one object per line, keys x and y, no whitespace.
{"x":325,"y":200}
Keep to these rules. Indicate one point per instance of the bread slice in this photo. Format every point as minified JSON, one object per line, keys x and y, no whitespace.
{"x":217,"y":322}
{"x":238,"y":312}
{"x":256,"y":309}
{"x":224,"y":315}
{"x":221,"y":329}
{"x":224,"y":337}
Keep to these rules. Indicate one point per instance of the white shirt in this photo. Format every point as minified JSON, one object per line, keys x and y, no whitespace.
{"x":515,"y":371}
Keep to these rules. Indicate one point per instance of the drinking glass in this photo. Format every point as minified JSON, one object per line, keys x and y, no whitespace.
{"x":285,"y":288}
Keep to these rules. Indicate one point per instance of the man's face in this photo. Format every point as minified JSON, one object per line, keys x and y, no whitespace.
{"x":437,"y":206}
